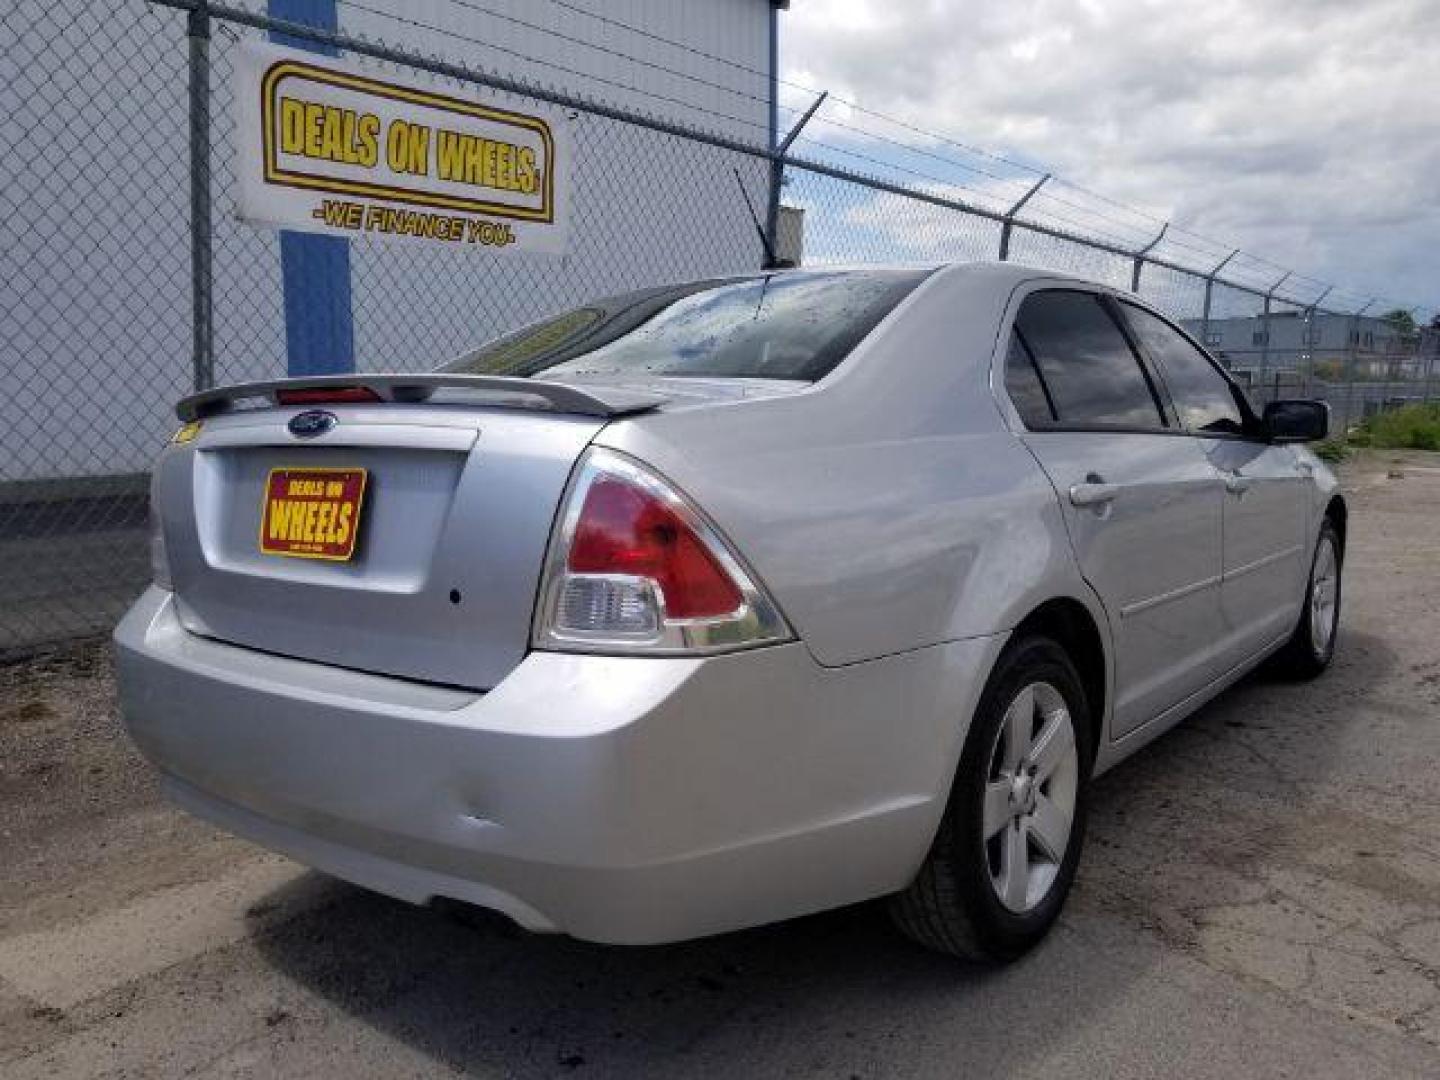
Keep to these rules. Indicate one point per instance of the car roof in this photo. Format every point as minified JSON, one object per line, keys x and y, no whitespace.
{"x":994,"y":272}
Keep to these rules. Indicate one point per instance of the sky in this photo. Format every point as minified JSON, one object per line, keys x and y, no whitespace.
{"x":1306,"y":132}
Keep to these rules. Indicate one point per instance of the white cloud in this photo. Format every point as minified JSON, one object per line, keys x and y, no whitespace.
{"x":1303,"y":131}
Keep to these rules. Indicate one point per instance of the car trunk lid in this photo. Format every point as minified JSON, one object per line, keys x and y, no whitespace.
{"x":448,"y":543}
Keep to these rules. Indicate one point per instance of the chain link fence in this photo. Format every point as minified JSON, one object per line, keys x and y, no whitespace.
{"x":109,"y":314}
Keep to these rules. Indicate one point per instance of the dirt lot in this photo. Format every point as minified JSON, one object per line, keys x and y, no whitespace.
{"x":1261,"y":896}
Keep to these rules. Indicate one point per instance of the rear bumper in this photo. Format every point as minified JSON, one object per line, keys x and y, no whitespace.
{"x":615,"y":799}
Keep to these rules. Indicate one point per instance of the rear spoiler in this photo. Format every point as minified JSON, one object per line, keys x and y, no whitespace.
{"x":604,"y":402}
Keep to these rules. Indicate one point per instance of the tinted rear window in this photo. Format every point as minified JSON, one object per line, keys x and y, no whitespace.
{"x":1093,"y":377}
{"x":795,"y":325}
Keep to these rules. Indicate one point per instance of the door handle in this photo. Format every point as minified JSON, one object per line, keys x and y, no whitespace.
{"x":1093,"y":493}
{"x":1237,"y":484}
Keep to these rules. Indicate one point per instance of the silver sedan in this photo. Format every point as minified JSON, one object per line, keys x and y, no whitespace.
{"x":709,"y":605}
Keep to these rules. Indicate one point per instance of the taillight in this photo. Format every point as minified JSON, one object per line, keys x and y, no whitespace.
{"x":635,"y":567}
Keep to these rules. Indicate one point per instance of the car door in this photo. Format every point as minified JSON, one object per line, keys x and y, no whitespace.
{"x":1142,"y":503}
{"x":1265,"y":555}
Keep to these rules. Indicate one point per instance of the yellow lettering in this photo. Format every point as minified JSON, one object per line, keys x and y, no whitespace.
{"x":527,"y":176}
{"x":279,"y":519}
{"x":333,"y":145}
{"x":448,"y":155}
{"x":292,"y":126}
{"x":307,"y":533}
{"x":407,"y":148}
{"x":314,"y":122}
{"x":369,"y":147}
{"x":342,"y":525}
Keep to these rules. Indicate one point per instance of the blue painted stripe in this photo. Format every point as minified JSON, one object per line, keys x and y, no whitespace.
{"x":319,"y":322}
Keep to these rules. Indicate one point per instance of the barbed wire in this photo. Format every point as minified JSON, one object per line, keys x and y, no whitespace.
{"x":1085,"y":219}
{"x":1176,"y":237}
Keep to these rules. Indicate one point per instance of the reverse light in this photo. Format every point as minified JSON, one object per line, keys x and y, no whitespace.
{"x":635,"y":567}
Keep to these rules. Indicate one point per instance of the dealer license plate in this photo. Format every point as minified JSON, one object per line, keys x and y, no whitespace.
{"x":312,"y":513}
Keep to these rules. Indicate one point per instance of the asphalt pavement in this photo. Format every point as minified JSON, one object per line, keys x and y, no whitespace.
{"x":1260,"y":897}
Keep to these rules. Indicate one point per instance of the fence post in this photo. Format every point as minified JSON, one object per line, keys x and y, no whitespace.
{"x":1009,"y":224}
{"x":1140,"y":258}
{"x":777,"y":169}
{"x":202,"y":327}
{"x":1351,"y":358}
{"x":1265,"y":328}
{"x":1308,"y":342}
{"x":1209,"y":290}
{"x":1429,"y":357}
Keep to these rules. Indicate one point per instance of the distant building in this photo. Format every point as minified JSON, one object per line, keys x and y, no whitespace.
{"x":1293,"y":342}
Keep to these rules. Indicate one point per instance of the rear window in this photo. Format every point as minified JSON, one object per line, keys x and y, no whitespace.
{"x":795,"y":325}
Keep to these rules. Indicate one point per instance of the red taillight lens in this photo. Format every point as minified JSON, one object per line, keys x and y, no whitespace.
{"x":635,"y":567}
{"x":624,"y":529}
{"x":329,"y":395}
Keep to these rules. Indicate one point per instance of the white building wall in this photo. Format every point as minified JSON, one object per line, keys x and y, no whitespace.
{"x":94,"y":254}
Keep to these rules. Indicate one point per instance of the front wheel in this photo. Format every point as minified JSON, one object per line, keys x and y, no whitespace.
{"x":1312,"y":646}
{"x":1008,"y":845}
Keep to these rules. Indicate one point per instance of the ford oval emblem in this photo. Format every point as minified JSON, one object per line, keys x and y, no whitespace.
{"x":312,"y":422}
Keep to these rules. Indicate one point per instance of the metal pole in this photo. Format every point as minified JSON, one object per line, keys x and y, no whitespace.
{"x":1429,"y":374}
{"x":1407,"y":358}
{"x":197,"y":29}
{"x":1353,"y":352}
{"x":1429,"y":358}
{"x":1009,"y":223}
{"x":1265,"y":334}
{"x":777,"y":168}
{"x":1209,"y":289}
{"x":1140,"y":258}
{"x":1309,"y":341}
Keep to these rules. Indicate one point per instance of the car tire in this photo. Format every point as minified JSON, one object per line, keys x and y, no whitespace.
{"x":1311,"y":647}
{"x":966,"y":899}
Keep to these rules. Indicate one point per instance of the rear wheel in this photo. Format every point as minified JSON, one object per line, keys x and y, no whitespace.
{"x":1312,"y":646}
{"x":1006,"y":851}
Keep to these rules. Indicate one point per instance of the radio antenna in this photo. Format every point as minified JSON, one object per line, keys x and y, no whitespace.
{"x":772,"y":261}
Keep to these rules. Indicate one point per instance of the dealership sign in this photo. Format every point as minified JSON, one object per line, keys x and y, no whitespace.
{"x":327,"y":147}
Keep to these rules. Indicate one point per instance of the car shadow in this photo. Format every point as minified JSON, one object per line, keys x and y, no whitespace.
{"x":840,"y":993}
{"x":835,"y":994}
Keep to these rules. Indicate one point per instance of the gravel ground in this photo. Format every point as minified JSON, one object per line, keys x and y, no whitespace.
{"x":1260,"y":897}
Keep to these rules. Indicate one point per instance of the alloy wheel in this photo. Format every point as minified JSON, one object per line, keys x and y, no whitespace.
{"x":1324,"y":597}
{"x":1030,"y":797}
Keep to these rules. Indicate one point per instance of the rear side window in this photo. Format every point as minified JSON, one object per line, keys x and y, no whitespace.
{"x":1204,"y":397}
{"x":794,"y":325}
{"x":1026,"y":390}
{"x":1091,"y":374}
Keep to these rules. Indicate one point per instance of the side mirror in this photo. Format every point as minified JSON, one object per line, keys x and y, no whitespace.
{"x":1297,"y":421}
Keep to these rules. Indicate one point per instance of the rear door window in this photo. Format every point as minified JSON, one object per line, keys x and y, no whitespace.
{"x":1091,"y":376}
{"x":1204,"y":397}
{"x":1027,"y":392}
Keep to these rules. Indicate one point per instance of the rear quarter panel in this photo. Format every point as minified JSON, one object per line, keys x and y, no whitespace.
{"x":887,"y":508}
